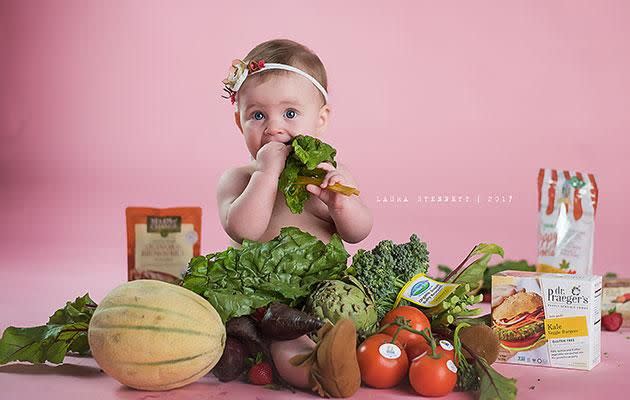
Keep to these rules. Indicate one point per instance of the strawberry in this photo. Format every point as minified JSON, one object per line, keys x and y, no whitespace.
{"x":261,"y":374}
{"x":612,"y":321}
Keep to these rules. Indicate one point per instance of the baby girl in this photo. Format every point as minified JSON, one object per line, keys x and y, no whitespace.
{"x":280,"y":91}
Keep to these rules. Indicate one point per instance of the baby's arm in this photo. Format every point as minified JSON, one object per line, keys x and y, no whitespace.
{"x":352,"y":218}
{"x":246,"y":202}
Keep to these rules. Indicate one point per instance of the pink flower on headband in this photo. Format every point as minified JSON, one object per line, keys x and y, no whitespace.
{"x":256,"y":65}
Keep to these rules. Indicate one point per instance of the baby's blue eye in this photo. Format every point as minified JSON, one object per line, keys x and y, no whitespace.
{"x":258,"y":115}
{"x":290,"y":114}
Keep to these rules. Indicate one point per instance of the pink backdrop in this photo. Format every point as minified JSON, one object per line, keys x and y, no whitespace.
{"x":109,"y":104}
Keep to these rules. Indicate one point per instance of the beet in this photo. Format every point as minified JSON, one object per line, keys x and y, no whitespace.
{"x":233,"y":361}
{"x":244,"y":328}
{"x":282,"y":322}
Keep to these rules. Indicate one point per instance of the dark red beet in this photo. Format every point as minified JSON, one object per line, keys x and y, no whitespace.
{"x":244,"y":328}
{"x":233,"y":361}
{"x":282,"y":322}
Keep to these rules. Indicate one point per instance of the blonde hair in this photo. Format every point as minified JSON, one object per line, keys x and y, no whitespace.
{"x":285,"y":51}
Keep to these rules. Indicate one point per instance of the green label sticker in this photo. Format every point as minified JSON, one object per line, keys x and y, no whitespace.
{"x":425,"y":292}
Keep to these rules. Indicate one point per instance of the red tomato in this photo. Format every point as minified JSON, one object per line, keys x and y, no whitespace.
{"x":433,"y":376}
{"x":413,"y":350}
{"x":383,"y":364}
{"x":417,"y":320}
{"x":443,"y":347}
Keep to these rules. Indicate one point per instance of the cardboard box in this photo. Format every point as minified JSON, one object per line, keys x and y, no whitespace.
{"x":551,"y":320}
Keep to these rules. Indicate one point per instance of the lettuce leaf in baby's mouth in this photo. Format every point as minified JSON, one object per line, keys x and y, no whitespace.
{"x":306,"y":154}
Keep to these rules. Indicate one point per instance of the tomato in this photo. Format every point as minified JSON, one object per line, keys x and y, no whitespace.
{"x":411,"y":342}
{"x":413,"y":350}
{"x":443,"y":347}
{"x":383,"y":364}
{"x":433,"y":376}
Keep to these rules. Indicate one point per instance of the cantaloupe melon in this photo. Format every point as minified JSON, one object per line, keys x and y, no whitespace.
{"x":153,"y":335}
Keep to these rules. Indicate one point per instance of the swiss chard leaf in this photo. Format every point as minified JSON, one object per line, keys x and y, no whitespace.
{"x":66,"y":331}
{"x":306,"y":154}
{"x":478,"y":375}
{"x":473,"y":273}
{"x":493,"y":385}
{"x":445,"y":270}
{"x":237,"y":281}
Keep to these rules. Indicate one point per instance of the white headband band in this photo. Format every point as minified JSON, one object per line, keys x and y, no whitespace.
{"x":240,"y":71}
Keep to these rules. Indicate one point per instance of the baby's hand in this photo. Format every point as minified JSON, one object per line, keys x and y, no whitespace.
{"x":272,"y":157}
{"x":334,"y":200}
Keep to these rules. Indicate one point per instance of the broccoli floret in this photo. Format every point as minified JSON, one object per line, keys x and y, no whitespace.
{"x":385,"y":269}
{"x":412,"y":258}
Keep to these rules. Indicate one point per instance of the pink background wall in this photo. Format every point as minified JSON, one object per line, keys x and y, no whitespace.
{"x":110,"y":104}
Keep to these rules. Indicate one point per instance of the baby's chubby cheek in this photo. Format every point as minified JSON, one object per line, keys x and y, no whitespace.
{"x":253,"y":144}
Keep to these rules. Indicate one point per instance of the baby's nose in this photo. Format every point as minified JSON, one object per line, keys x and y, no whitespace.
{"x":274,"y":129}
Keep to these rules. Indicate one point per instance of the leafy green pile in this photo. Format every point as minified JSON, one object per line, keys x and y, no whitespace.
{"x":66,"y":331}
{"x":306,"y":154}
{"x":238,"y":281}
{"x":286,"y":269}
{"x":385,"y":269}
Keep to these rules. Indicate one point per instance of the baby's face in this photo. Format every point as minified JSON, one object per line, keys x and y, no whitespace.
{"x":279,"y":108}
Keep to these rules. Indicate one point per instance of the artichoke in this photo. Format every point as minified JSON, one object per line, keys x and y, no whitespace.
{"x":334,"y":300}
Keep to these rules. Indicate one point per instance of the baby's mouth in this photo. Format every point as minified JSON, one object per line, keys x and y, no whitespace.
{"x":279,"y":140}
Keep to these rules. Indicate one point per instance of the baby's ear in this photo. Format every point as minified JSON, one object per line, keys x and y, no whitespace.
{"x":324,"y":114}
{"x":237,"y":119}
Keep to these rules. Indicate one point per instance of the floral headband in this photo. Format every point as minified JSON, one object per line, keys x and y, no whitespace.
{"x":240,"y":71}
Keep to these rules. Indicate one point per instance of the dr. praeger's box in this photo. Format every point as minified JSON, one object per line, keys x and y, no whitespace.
{"x":549,"y":320}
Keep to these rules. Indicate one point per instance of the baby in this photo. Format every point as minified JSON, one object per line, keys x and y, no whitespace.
{"x":280,"y":92}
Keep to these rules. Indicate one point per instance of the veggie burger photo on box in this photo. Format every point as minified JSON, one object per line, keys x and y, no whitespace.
{"x":519,"y":321}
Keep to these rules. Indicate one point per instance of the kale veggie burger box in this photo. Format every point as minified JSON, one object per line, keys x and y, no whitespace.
{"x":547,"y":319}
